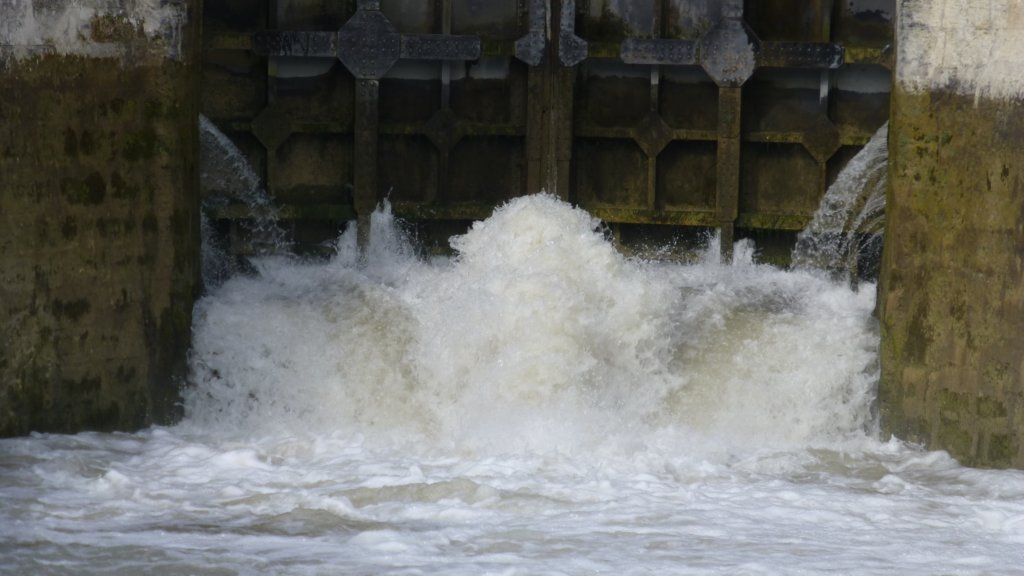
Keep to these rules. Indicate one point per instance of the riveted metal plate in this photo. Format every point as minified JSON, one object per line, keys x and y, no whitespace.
{"x":800,"y":55}
{"x":440,"y":47}
{"x":571,"y":48}
{"x":530,"y":48}
{"x":667,"y":52}
{"x":288,"y":43}
{"x":728,"y":52}
{"x":369,"y":45}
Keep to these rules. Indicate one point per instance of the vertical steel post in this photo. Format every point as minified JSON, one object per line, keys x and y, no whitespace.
{"x":366,"y":123}
{"x":728,"y":165}
{"x":652,"y":159}
{"x":550,"y":88}
{"x":444,"y":152}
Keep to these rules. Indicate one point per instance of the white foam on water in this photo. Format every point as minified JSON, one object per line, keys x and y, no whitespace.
{"x":539,"y":336}
{"x":536,"y":405}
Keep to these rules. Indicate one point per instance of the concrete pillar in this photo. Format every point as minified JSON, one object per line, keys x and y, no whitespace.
{"x":952,"y":284}
{"x":99,"y":241}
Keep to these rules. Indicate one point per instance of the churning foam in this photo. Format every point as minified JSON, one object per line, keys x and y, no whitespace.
{"x":536,"y":405}
{"x":538,"y":335}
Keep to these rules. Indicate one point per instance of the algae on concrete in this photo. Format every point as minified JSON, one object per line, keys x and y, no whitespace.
{"x":952,"y":286}
{"x":99,"y":231}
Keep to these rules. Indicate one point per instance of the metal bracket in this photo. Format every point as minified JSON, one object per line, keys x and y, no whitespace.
{"x":368,"y":44}
{"x":800,"y":55}
{"x":302,"y":44}
{"x":440,"y":47}
{"x":728,"y":52}
{"x":571,"y":48}
{"x":530,"y":48}
{"x":667,"y":52}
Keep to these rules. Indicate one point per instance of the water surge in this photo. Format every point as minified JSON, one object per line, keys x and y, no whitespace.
{"x":537,"y":336}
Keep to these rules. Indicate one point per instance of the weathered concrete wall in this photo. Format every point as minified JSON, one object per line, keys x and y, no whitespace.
{"x":99,"y":240}
{"x":952,"y":286}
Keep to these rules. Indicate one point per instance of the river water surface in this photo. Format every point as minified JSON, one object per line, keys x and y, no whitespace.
{"x":538,"y":404}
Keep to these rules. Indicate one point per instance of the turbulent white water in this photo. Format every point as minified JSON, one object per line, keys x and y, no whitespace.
{"x":536,"y":405}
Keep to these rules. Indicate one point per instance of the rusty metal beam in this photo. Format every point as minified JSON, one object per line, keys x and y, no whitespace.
{"x":728,"y":54}
{"x":296,"y":44}
{"x":658,"y":131}
{"x":659,"y":51}
{"x":368,"y":44}
{"x":271,"y":127}
{"x":531,"y":49}
{"x":819,"y":55}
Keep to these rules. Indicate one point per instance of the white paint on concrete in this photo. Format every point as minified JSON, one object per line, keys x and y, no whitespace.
{"x":29,"y":27}
{"x":973,"y":47}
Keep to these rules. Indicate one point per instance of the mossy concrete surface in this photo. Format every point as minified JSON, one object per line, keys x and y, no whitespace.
{"x":952,"y":286}
{"x":99,"y":236}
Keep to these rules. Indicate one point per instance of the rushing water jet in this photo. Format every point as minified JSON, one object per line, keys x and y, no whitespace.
{"x":845,"y":233}
{"x":538,"y":335}
{"x":226,"y":177}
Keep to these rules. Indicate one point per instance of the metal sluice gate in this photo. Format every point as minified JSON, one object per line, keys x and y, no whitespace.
{"x":648,"y":113}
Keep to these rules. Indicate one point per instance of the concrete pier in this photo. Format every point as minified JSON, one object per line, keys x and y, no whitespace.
{"x":952,"y":285}
{"x":99,"y":235}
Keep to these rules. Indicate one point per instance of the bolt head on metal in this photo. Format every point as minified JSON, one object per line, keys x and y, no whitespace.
{"x":369,"y":45}
{"x":728,"y":52}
